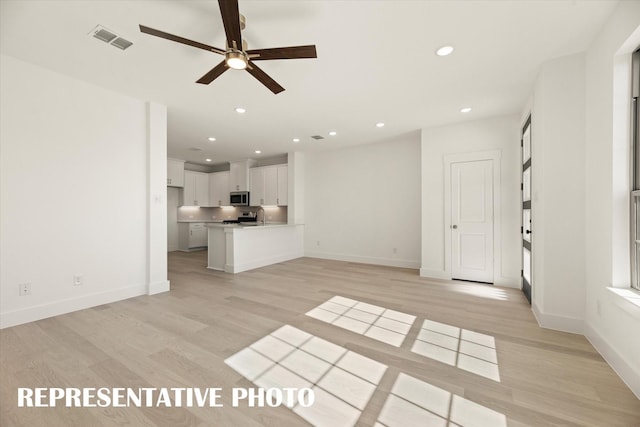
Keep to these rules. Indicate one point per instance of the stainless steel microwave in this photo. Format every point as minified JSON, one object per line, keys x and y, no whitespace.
{"x":239,"y":198}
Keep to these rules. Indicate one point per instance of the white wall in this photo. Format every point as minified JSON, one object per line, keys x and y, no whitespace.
{"x":558,"y":194}
{"x":610,"y":325}
{"x":499,"y":133}
{"x":362,"y":202}
{"x":74,"y":194}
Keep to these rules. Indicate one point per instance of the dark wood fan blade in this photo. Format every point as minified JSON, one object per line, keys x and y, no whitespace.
{"x":292,"y":52}
{"x":264,"y":78}
{"x":214,"y":73}
{"x":179,"y":39}
{"x":231,"y":22}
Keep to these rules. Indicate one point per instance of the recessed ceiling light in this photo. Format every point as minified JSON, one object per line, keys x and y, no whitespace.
{"x":211,"y":139}
{"x":240,"y":110}
{"x":444,"y":51}
{"x":380,"y":124}
{"x":465,"y":109}
{"x":208,"y":160}
{"x":258,"y":151}
{"x":333,"y":133}
{"x":296,"y":139}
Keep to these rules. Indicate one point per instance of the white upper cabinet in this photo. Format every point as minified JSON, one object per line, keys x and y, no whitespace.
{"x":219,"y":188}
{"x":196,"y":189}
{"x":269,"y":185}
{"x":175,"y":173}
{"x":257,"y":191}
{"x":239,"y":175}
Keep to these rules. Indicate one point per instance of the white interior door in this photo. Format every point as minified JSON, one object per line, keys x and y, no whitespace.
{"x":472,"y":221}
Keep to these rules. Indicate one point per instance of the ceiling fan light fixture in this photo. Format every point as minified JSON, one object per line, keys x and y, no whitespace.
{"x":236,"y":59}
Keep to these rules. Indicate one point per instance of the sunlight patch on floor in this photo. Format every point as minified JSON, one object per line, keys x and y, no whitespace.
{"x":379,"y":323}
{"x":342,"y":381}
{"x":413,"y":402}
{"x":483,"y":291}
{"x":468,"y":350}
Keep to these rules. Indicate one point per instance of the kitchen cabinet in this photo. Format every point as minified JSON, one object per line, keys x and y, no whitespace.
{"x":239,"y":175}
{"x":219,"y":189}
{"x":196,"y":189}
{"x":175,"y":173}
{"x":269,"y":185}
{"x":192,"y":235}
{"x":256,"y":192}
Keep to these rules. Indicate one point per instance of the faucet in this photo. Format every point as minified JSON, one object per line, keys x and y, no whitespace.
{"x":263,"y":215}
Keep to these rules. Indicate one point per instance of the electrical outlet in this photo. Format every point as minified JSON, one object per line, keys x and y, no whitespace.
{"x":24,"y":289}
{"x":77,"y":280}
{"x":395,"y":250}
{"x":317,"y":242}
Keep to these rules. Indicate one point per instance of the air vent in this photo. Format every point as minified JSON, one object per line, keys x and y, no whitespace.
{"x":317,"y":136}
{"x":104,"y":35}
{"x":110,"y":37}
{"x":121,"y":43}
{"x":195,"y":149}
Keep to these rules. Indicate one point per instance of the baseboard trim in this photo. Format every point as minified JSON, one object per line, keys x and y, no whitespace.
{"x":43,"y":311}
{"x":262,"y":262}
{"x":620,"y":366}
{"x":389,"y":262}
{"x":556,"y":322}
{"x":159,"y":287}
{"x":435,"y":274}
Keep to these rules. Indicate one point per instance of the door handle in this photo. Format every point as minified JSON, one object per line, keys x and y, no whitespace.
{"x":528,"y":231}
{"x":455,"y":227}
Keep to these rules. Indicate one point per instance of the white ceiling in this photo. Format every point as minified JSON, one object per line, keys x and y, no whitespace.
{"x":376,"y":63}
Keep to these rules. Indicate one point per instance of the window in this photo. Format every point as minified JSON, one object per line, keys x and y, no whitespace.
{"x":635,"y":184}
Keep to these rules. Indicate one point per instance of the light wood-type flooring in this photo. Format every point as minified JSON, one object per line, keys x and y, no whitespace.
{"x":182,"y":339}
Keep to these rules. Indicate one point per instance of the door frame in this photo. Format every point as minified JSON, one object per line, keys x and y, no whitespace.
{"x":495,"y":156}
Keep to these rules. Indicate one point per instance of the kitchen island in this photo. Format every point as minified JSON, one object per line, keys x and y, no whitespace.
{"x":234,"y":248}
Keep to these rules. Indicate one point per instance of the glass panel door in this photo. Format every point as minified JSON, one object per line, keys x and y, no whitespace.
{"x":525,"y":228}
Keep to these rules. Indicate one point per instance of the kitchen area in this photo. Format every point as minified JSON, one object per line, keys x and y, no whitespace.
{"x":237,"y":211}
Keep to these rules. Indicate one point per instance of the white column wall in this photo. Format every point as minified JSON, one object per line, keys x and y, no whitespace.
{"x":157,"y":199}
{"x":558,"y":194}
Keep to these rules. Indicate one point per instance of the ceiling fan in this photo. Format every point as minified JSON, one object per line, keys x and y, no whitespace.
{"x":236,"y":55}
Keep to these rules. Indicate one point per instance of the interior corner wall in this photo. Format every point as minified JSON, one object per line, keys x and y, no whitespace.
{"x":497,"y":133}
{"x":612,"y":329}
{"x":73,"y":193}
{"x":362,"y":203}
{"x":558,"y":194}
{"x":157,"y":274}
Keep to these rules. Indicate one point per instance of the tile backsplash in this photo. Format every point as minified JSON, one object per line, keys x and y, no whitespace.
{"x":194,"y":213}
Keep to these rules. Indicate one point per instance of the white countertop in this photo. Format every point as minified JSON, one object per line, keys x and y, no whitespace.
{"x":207,"y":221}
{"x":249,"y":225}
